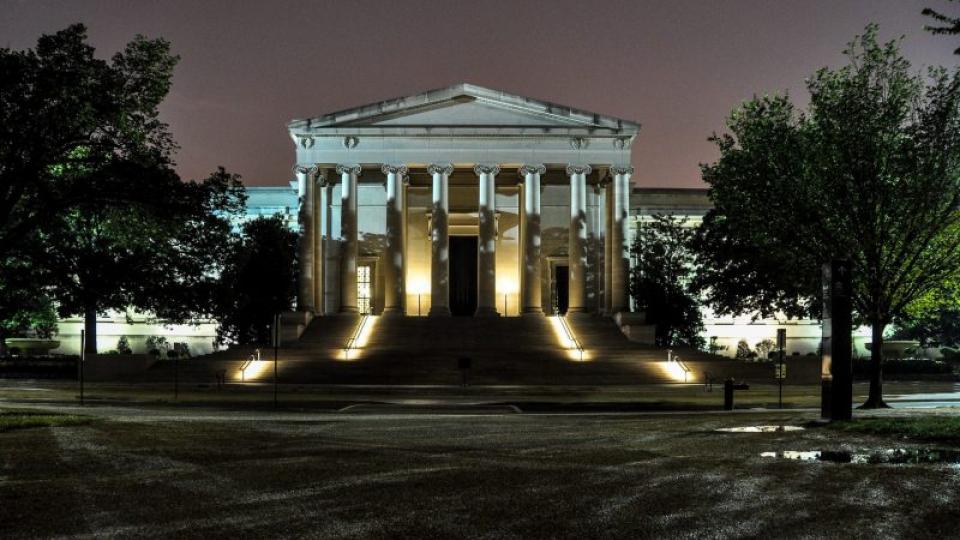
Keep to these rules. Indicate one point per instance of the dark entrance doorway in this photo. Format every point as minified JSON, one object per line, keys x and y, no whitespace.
{"x":561,"y":288}
{"x":463,"y":275}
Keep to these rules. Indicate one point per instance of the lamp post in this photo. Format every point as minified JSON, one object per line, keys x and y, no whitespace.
{"x":419,"y":287}
{"x":506,"y":287}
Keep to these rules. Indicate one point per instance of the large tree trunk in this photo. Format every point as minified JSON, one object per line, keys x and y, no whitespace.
{"x":90,"y":330}
{"x":3,"y":343}
{"x":875,"y":399}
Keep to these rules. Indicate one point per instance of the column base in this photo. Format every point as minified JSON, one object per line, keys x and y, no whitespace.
{"x":392,"y":312}
{"x":532,"y":312}
{"x":486,"y":311}
{"x":439,"y":311}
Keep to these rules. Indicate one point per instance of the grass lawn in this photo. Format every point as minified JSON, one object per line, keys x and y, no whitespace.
{"x":942,"y":429}
{"x":11,"y":419}
{"x":151,"y":471}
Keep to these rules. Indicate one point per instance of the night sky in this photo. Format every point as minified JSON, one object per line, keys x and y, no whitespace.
{"x":677,"y":67}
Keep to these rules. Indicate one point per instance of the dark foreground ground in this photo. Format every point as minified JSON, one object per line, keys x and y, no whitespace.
{"x":153,"y":470}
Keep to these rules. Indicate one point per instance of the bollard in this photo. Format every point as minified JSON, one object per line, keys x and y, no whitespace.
{"x":728,"y":395}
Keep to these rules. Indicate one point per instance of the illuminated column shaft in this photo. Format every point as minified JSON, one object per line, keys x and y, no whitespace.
{"x":439,"y":242}
{"x":620,"y":239}
{"x":577,"y":247}
{"x":393,"y":267}
{"x":348,"y":237}
{"x":487,"y":242}
{"x":306,"y":291}
{"x":321,"y":209}
{"x":607,"y":247}
{"x":531,"y":302}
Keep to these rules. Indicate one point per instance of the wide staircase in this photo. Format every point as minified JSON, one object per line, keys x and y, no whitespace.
{"x":575,"y":350}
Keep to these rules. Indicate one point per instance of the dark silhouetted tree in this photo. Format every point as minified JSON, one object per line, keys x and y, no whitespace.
{"x":66,"y":116}
{"x":161,"y":257}
{"x":258,"y":280}
{"x":660,"y":281}
{"x":945,"y":24}
{"x":870,"y":173}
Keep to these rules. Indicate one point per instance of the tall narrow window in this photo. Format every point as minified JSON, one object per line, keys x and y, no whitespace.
{"x":364,"y":290}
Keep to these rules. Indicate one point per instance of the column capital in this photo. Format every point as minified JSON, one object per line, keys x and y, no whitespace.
{"x":486,"y":168}
{"x":578,"y":169}
{"x":349,"y":169}
{"x":440,"y":168}
{"x":620,"y":169}
{"x":305,"y":169}
{"x":394,"y":169}
{"x":322,"y":180}
{"x":532,"y":168}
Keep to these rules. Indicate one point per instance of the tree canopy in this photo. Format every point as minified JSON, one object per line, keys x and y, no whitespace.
{"x":660,"y":281}
{"x":67,"y":116}
{"x":258,"y":280}
{"x":870,"y":173}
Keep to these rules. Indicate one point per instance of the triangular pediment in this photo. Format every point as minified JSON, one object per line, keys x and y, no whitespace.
{"x":466,"y":106}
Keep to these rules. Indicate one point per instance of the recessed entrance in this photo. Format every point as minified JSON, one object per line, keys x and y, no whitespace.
{"x":561,"y":288}
{"x":463,"y":275}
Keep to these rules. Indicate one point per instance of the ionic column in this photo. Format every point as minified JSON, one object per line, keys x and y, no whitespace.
{"x":394,"y":293}
{"x":487,"y":242}
{"x":348,"y":237}
{"x":440,"y":242}
{"x":620,"y":239}
{"x":531,"y":302}
{"x":306,"y":217}
{"x":321,"y":209}
{"x":577,"y":247}
{"x":607,"y":246}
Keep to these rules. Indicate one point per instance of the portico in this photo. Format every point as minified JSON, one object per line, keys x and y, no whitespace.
{"x":463,"y":201}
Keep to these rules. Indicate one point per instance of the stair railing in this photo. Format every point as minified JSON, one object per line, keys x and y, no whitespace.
{"x":571,"y":336}
{"x":352,"y":342}
{"x":675,"y":358}
{"x":246,"y":364}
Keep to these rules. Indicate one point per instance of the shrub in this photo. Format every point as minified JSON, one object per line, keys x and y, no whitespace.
{"x":765,"y":347}
{"x":743,"y":350}
{"x":123,"y":346}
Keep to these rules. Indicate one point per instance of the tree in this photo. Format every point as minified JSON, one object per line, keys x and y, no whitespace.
{"x":24,"y":304}
{"x":259,"y":279}
{"x":947,"y":25}
{"x":934,"y":318}
{"x":66,"y":115}
{"x":160,"y":257}
{"x":660,"y":281}
{"x":871,"y":173}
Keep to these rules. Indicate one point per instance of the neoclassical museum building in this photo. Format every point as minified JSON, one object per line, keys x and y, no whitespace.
{"x":463,"y":201}
{"x":470,"y":202}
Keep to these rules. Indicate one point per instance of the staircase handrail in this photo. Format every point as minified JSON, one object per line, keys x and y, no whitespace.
{"x":571,"y":336}
{"x":351,"y":343}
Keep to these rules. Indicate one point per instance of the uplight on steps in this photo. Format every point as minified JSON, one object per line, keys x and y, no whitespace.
{"x":675,"y":369}
{"x":567,"y":339}
{"x":253,"y":368}
{"x":361,"y":334}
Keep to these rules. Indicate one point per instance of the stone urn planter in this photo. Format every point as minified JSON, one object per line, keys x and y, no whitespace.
{"x":32,"y":346}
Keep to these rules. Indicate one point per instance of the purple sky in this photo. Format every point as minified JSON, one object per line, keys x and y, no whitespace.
{"x":676,"y":66}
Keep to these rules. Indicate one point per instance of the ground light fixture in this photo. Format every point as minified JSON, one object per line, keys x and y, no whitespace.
{"x":567,"y":339}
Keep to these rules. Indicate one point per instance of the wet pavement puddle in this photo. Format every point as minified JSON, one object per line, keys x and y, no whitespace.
{"x":890,"y":456}
{"x":759,"y":429}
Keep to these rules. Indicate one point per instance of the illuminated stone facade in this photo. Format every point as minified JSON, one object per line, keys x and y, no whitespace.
{"x":463,"y":201}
